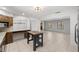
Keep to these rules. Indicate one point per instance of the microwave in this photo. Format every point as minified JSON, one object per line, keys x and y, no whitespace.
{"x":3,"y":24}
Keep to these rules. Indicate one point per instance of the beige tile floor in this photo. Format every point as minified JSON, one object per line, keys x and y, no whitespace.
{"x":53,"y":42}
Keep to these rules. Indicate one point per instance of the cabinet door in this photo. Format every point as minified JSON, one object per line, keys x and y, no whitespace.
{"x":10,"y":19}
{"x":7,"y":19}
{"x":9,"y":37}
{"x":3,"y":46}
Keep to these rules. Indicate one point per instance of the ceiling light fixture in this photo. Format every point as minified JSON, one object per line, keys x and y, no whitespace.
{"x":37,"y":9}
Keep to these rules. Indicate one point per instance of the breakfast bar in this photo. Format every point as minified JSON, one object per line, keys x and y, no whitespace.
{"x":37,"y":38}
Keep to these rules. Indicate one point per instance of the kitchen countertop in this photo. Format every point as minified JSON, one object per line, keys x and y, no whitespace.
{"x":10,"y":29}
{"x":4,"y":31}
{"x":2,"y":35}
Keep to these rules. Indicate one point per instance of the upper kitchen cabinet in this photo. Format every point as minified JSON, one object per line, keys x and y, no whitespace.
{"x":7,"y":19}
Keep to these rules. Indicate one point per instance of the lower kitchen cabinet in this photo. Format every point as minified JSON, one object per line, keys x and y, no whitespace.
{"x":3,"y":45}
{"x":9,"y":37}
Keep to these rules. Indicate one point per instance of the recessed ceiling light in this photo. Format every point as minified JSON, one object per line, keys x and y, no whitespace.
{"x":22,"y":13}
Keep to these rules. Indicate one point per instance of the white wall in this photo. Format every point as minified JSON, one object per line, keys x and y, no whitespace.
{"x":73,"y":22}
{"x":35,"y":24}
{"x":29,"y":23}
{"x":71,"y":13}
{"x":21,"y":23}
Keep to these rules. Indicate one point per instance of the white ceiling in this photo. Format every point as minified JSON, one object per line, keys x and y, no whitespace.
{"x":29,"y":11}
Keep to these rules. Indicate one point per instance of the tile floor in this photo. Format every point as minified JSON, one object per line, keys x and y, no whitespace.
{"x":53,"y":42}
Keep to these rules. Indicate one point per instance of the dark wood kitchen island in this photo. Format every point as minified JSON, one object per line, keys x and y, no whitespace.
{"x":36,"y":37}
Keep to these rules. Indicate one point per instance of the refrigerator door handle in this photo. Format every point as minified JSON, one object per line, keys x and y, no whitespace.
{"x":76,"y":34}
